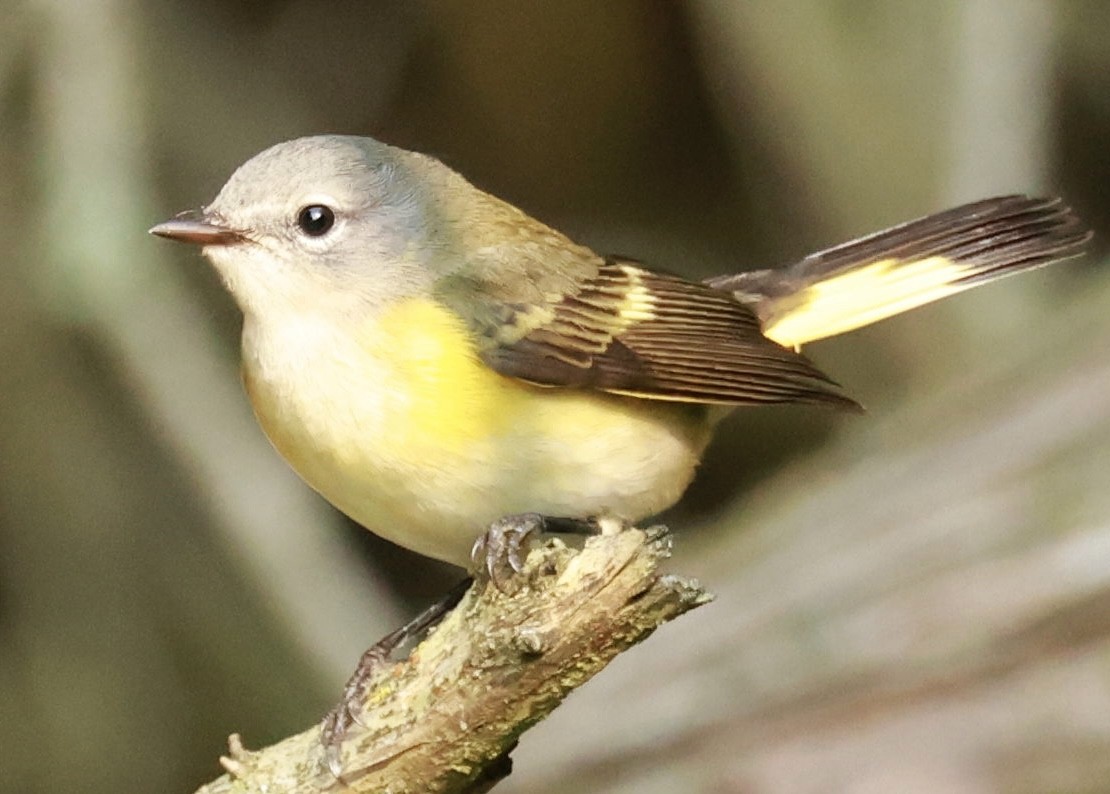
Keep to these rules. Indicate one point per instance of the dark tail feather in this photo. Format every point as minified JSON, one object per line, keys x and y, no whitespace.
{"x":909,"y":265}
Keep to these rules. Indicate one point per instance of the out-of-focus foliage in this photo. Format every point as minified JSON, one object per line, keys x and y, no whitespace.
{"x":164,"y":579}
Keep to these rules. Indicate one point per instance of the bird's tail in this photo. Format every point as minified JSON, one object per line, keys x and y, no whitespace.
{"x":901,"y":268}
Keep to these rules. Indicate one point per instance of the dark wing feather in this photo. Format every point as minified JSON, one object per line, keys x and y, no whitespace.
{"x":652,"y":335}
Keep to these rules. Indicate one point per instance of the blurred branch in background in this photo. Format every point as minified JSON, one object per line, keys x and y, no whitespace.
{"x":836,"y":94}
{"x":164,"y":580}
{"x":1000,"y":127}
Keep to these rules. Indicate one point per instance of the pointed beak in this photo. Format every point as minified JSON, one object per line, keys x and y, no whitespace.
{"x":195,"y":228}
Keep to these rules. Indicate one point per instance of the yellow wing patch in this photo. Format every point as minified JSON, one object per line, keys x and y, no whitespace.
{"x":638,"y":303}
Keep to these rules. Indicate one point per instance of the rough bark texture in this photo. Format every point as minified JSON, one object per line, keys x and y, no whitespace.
{"x":446,"y":718}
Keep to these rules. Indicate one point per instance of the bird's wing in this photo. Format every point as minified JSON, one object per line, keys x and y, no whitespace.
{"x":627,"y":330}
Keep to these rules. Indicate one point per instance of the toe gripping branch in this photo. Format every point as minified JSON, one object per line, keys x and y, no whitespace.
{"x":498,"y":556}
{"x":341,"y":718}
{"x":499,"y":553}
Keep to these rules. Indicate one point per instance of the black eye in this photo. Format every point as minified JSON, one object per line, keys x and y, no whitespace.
{"x":315,"y":219}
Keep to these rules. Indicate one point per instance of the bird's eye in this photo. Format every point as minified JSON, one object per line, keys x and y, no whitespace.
{"x":316,"y":219}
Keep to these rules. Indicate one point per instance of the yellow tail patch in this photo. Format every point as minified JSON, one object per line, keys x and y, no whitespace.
{"x":863,"y":296}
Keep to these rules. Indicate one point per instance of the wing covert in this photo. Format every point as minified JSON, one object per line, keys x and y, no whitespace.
{"x":652,"y":335}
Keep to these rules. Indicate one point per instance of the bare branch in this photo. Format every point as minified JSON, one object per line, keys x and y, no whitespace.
{"x":446,"y":719}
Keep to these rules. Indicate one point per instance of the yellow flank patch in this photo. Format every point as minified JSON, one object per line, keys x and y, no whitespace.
{"x":442,"y":395}
{"x":863,"y":296}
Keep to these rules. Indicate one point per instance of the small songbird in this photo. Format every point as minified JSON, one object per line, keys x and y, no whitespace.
{"x":435,"y":362}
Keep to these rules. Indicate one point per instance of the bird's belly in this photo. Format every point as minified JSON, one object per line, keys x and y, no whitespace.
{"x":430,"y":448}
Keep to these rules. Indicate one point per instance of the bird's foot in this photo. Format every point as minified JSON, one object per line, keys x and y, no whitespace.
{"x":499,"y":553}
{"x":340,"y":719}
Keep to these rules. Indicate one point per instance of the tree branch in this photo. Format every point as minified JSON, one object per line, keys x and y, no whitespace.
{"x":446,"y":718}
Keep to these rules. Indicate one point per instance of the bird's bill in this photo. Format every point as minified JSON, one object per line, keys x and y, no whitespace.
{"x":198,"y":231}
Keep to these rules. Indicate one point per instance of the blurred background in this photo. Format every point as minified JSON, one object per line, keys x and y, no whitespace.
{"x":913,"y":600}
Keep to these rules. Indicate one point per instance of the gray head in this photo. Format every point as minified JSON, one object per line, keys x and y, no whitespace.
{"x":331,"y":222}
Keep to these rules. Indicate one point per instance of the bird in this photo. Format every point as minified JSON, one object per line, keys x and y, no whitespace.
{"x":433,"y":361}
{"x":456,"y":376}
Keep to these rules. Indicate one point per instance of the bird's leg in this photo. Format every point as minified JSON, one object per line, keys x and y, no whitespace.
{"x":500,"y":551}
{"x":343,"y":716}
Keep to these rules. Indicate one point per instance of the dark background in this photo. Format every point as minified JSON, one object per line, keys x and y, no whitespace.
{"x":165,"y":580}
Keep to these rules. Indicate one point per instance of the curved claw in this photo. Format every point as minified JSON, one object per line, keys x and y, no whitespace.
{"x":347,"y":712}
{"x":332,"y":731}
{"x":499,"y":553}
